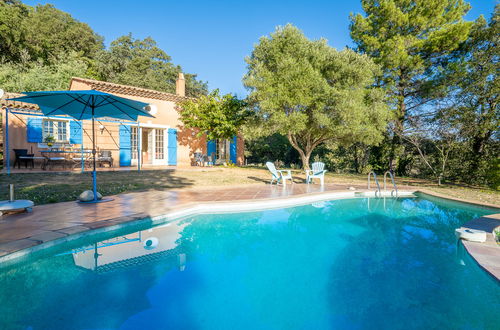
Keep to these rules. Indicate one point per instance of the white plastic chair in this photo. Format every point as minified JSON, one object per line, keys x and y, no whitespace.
{"x":317,"y":171}
{"x":278,"y":176}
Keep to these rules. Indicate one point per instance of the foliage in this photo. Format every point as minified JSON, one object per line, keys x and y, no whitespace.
{"x":473,"y":106}
{"x":142,"y":63}
{"x":269,"y":148}
{"x":410,"y":40}
{"x":36,"y":42}
{"x":36,"y":76}
{"x":313,"y":93}
{"x":217,"y":116}
{"x":42,"y":33}
{"x":49,"y":139}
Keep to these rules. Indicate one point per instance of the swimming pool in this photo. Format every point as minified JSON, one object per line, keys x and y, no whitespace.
{"x":342,"y":264}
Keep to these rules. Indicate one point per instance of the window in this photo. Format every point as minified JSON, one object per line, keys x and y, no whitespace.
{"x":56,"y":128}
{"x":134,"y":141}
{"x":159,"y":147}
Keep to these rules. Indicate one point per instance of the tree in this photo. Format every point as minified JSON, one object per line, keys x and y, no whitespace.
{"x":38,"y":76}
{"x":312,"y":93}
{"x":12,"y":13}
{"x":434,"y":139}
{"x":217,"y":116}
{"x":50,"y":32}
{"x":142,"y":63}
{"x":33,"y":37}
{"x":409,"y":39}
{"x":43,"y":33}
{"x":474,"y":84}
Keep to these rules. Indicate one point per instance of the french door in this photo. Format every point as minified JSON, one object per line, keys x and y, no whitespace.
{"x":151,"y":143}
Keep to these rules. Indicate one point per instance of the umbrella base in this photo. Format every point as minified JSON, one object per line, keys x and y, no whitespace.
{"x":103,"y":200}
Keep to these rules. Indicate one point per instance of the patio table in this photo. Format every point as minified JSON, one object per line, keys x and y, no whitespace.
{"x":59,"y":155}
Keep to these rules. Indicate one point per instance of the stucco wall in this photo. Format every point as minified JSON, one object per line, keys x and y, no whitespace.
{"x":108,"y":139}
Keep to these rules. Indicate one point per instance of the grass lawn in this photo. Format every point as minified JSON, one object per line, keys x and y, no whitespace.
{"x":43,"y":188}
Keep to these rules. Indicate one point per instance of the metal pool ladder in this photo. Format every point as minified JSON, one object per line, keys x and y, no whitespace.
{"x":377,"y":192}
{"x":395,"y":188}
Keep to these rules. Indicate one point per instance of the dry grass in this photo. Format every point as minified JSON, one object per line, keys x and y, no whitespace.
{"x":45,"y":188}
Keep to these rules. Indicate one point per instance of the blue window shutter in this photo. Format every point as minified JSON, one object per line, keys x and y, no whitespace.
{"x":75,"y":132}
{"x":125,"y":146}
{"x":233,"y":149}
{"x":172,"y":146}
{"x":34,"y":129}
{"x":211,"y":147}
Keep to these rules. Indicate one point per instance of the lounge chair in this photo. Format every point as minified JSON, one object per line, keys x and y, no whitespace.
{"x":317,"y":171}
{"x":278,"y":176}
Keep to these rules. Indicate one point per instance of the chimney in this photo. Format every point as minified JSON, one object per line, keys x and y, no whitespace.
{"x":180,"y":85}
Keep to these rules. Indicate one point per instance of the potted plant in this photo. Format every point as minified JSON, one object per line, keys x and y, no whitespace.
{"x":49,"y":140}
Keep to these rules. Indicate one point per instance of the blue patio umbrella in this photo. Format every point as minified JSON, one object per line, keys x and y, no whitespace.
{"x":88,"y":104}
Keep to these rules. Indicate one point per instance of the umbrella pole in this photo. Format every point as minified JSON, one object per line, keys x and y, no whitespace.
{"x":7,"y":151}
{"x":94,"y":178}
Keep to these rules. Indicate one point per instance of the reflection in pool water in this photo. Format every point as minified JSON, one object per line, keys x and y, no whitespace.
{"x":357,"y":263}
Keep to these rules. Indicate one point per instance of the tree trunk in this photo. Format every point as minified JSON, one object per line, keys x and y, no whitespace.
{"x":305,"y":153}
{"x":305,"y":159}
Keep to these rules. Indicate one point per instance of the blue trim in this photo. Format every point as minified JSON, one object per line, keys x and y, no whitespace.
{"x":172,"y":146}
{"x":233,"y":146}
{"x":34,"y":130}
{"x":125,"y":145}
{"x":68,"y":117}
{"x":75,"y":132}
{"x":211,"y":147}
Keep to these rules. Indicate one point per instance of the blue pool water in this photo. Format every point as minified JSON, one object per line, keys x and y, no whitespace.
{"x":343,"y":264}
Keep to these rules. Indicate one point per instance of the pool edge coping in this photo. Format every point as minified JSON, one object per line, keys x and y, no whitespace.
{"x":480,"y":252}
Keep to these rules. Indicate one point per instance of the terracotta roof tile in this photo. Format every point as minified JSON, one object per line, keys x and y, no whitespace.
{"x":113,"y":88}
{"x":4,"y":103}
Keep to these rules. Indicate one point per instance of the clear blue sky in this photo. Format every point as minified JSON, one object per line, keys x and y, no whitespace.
{"x":212,"y":38}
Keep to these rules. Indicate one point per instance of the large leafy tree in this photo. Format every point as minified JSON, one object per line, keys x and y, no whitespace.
{"x":217,"y":116}
{"x":409,"y":39}
{"x":42,"y":33}
{"x":474,"y":88}
{"x":312,"y":93}
{"x":33,"y":37}
{"x":142,"y":63}
{"x":39,"y":76}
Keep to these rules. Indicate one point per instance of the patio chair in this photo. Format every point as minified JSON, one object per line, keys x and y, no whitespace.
{"x":22,"y":156}
{"x":317,"y":171}
{"x":211,"y":159}
{"x":87,"y":160}
{"x":105,"y":157}
{"x":199,"y":159}
{"x":279,"y":175}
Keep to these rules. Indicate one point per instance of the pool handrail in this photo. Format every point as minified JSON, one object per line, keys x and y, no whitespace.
{"x":376,"y":181}
{"x":395,"y":190}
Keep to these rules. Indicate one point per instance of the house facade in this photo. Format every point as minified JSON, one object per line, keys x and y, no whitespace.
{"x":159,"y":141}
